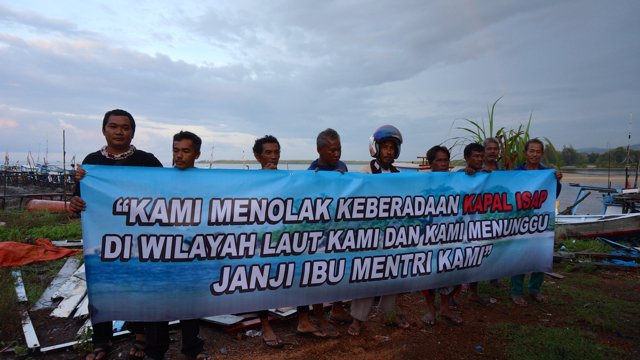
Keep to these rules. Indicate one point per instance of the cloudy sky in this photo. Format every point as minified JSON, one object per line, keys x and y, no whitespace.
{"x":236,"y":70}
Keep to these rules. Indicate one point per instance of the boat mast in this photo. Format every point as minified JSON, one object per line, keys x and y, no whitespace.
{"x":212,"y":146}
{"x":626,"y":169}
{"x":609,"y":170}
{"x":64,"y":170}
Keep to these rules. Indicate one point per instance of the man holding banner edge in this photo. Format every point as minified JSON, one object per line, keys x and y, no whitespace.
{"x":118,"y":128}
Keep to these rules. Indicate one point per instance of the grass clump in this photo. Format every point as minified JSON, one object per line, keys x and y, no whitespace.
{"x":21,"y":226}
{"x":11,"y":328}
{"x":586,"y":245}
{"x":540,"y":342}
{"x":596,"y":307}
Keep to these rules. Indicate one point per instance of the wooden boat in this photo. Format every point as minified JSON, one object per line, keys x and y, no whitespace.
{"x":614,"y":201}
{"x":625,"y":227}
{"x":411,"y":167}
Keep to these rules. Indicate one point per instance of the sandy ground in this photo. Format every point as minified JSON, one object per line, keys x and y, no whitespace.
{"x":590,"y":178}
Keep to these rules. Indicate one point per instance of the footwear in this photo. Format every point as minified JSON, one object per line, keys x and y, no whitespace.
{"x":345,"y":318}
{"x":538,"y":297}
{"x":353,"y":331}
{"x":206,"y":356}
{"x":137,"y":349}
{"x":455,"y":319}
{"x":326,"y":330}
{"x":483,"y":302}
{"x":428,"y":321}
{"x":311,"y":334}
{"x":400,"y":323}
{"x":277,"y":344}
{"x":519,"y":300}
{"x":100,"y":349}
{"x":452,"y":305}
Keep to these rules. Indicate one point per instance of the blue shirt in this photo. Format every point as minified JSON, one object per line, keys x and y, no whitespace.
{"x":540,"y":167}
{"x":342,"y":166}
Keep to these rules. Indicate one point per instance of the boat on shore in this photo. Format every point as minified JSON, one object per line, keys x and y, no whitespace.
{"x":620,"y":227}
{"x":619,"y":220}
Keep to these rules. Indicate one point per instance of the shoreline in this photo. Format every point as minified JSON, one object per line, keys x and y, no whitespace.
{"x":591,"y":178}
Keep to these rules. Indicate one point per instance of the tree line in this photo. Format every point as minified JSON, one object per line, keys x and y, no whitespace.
{"x":572,"y":157}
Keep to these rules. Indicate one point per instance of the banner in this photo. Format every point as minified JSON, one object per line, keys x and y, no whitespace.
{"x":167,"y":244}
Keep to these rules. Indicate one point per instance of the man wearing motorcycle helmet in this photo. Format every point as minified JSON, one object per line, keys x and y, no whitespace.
{"x":384,"y":147}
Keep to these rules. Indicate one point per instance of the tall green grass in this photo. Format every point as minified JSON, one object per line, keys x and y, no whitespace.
{"x":510,"y":141}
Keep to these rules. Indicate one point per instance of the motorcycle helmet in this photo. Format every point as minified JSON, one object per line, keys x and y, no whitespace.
{"x":384,"y":133}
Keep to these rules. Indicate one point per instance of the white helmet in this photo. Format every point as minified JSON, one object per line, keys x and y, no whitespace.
{"x":384,"y":133}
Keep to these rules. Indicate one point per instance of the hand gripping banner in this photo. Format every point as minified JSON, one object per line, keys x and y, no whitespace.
{"x":167,"y":244}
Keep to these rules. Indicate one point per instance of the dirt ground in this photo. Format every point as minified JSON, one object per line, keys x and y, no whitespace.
{"x":475,"y":339}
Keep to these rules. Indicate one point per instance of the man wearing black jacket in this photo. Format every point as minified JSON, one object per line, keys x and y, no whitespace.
{"x":118,"y":128}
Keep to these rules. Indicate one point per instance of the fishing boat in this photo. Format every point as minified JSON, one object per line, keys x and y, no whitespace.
{"x":411,"y":167}
{"x":619,"y":227}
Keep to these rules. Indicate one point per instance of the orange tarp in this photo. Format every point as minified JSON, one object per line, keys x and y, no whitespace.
{"x":17,"y":254}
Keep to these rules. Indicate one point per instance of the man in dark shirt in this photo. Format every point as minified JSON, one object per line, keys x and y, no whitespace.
{"x":439,"y":158}
{"x":267,"y":151}
{"x":118,"y":128}
{"x":186,"y":150}
{"x":533,"y":152}
{"x":474,"y":156}
{"x":491,"y":154}
{"x":329,"y":152}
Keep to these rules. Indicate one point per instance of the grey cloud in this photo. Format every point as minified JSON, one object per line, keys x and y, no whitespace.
{"x":41,"y":24}
{"x":353,"y":44}
{"x":355,"y":66}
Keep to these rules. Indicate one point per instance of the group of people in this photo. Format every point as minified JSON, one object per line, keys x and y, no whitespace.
{"x":152,"y":338}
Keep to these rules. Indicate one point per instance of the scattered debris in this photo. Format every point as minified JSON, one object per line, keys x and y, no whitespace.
{"x":224,"y":320}
{"x":27,"y":327}
{"x":67,"y":270}
{"x":73,"y":291}
{"x":554,"y":275}
{"x":68,"y":243}
{"x":253,"y":333}
{"x":20,"y":291}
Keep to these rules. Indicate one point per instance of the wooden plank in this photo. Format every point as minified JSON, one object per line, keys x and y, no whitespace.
{"x":72,"y":298}
{"x":224,"y":320}
{"x":116,"y":336}
{"x":20,"y":291}
{"x":80,"y":273}
{"x":82,"y":309}
{"x":29,"y":332}
{"x":86,"y":325}
{"x":67,"y":270}
{"x":557,"y":276}
{"x":68,"y":243}
{"x":608,"y":256}
{"x":68,"y":286}
{"x":607,"y":266}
